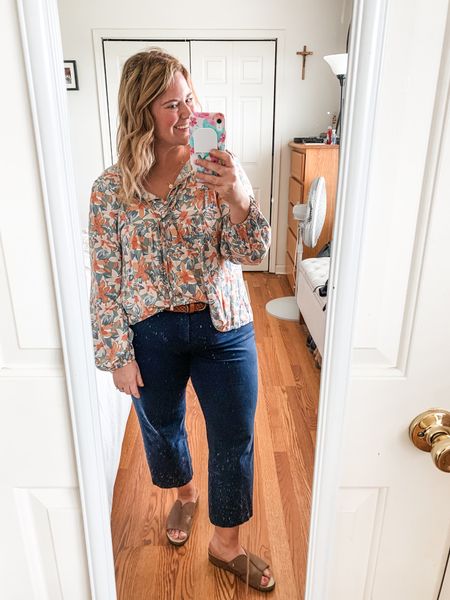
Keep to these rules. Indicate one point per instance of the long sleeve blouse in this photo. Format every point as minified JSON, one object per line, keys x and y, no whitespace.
{"x":155,"y":254}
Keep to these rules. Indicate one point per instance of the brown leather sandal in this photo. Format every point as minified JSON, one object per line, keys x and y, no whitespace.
{"x":181,"y":518}
{"x":239,"y":565}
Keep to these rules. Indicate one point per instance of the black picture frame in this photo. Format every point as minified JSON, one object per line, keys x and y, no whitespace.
{"x":71,"y":75}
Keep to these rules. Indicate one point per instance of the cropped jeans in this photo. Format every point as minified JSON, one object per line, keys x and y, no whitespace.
{"x":169,"y":348}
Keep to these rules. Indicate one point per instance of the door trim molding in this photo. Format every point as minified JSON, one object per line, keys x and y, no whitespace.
{"x":185,"y":35}
{"x":366,"y":56}
{"x":43,"y":58}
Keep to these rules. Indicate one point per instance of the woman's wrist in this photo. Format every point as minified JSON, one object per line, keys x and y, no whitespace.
{"x":239,"y":210}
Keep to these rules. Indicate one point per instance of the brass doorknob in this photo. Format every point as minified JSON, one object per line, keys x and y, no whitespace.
{"x":430,"y":432}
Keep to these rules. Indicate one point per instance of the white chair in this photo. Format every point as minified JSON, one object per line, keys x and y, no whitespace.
{"x":312,"y":274}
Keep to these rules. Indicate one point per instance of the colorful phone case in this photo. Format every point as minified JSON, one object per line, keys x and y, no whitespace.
{"x":207,"y":131}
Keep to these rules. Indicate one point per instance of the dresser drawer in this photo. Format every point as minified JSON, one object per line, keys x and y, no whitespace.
{"x":295,"y":191}
{"x":292,"y":223}
{"x":291,"y":244}
{"x":298,"y":165}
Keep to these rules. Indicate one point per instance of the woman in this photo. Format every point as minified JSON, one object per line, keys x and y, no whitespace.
{"x":169,"y":303}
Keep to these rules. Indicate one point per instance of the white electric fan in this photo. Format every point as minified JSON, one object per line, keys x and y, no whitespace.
{"x":310,"y":217}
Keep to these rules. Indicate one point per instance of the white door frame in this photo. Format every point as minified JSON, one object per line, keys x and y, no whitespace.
{"x":365,"y":60}
{"x":158,"y":34}
{"x":43,"y":57}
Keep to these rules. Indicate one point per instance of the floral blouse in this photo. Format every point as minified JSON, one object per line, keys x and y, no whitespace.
{"x":155,"y":254}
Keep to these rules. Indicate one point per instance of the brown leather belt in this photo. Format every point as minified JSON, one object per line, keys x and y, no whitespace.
{"x":188,"y":308}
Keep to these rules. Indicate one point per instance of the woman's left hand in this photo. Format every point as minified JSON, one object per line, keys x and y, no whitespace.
{"x":226,"y":183}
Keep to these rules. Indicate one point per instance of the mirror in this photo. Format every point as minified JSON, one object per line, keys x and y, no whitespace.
{"x":254,"y":76}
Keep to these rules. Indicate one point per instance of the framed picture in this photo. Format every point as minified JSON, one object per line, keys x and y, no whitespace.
{"x":70,"y":75}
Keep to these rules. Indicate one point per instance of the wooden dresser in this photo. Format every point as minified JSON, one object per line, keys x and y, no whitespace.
{"x":309,"y":161}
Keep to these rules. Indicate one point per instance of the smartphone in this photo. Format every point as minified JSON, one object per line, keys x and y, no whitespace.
{"x":206,"y":132}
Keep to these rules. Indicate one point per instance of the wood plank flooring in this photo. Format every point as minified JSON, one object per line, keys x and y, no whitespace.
{"x":147,"y":567}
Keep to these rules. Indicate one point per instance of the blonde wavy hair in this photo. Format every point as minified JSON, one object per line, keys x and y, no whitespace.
{"x":145,"y":76}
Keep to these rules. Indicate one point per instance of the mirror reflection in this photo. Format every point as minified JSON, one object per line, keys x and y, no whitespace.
{"x":207,"y":268}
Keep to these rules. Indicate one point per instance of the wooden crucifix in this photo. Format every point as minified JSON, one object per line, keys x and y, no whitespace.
{"x":305,"y":53}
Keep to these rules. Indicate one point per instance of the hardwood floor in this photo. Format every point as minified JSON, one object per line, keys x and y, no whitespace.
{"x":147,"y":567}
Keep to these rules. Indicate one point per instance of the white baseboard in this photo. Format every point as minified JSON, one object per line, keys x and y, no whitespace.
{"x":280,"y":270}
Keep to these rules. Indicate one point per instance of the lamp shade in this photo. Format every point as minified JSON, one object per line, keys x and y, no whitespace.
{"x":338,"y":63}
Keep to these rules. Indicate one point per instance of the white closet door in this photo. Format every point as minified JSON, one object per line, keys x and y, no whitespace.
{"x":238,"y":79}
{"x":116,"y":52}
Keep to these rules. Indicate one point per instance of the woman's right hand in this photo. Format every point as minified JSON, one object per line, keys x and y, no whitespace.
{"x":128,"y":378}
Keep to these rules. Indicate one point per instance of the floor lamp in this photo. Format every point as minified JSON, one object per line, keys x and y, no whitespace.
{"x":338,"y":64}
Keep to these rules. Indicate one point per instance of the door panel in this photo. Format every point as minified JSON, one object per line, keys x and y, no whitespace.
{"x":238,"y":78}
{"x":42,"y":548}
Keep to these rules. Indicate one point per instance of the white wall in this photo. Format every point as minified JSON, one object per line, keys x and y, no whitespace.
{"x":42,"y":540}
{"x":320,"y":24}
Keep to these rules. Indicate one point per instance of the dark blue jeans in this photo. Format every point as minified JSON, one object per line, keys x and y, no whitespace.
{"x":170,"y":347}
